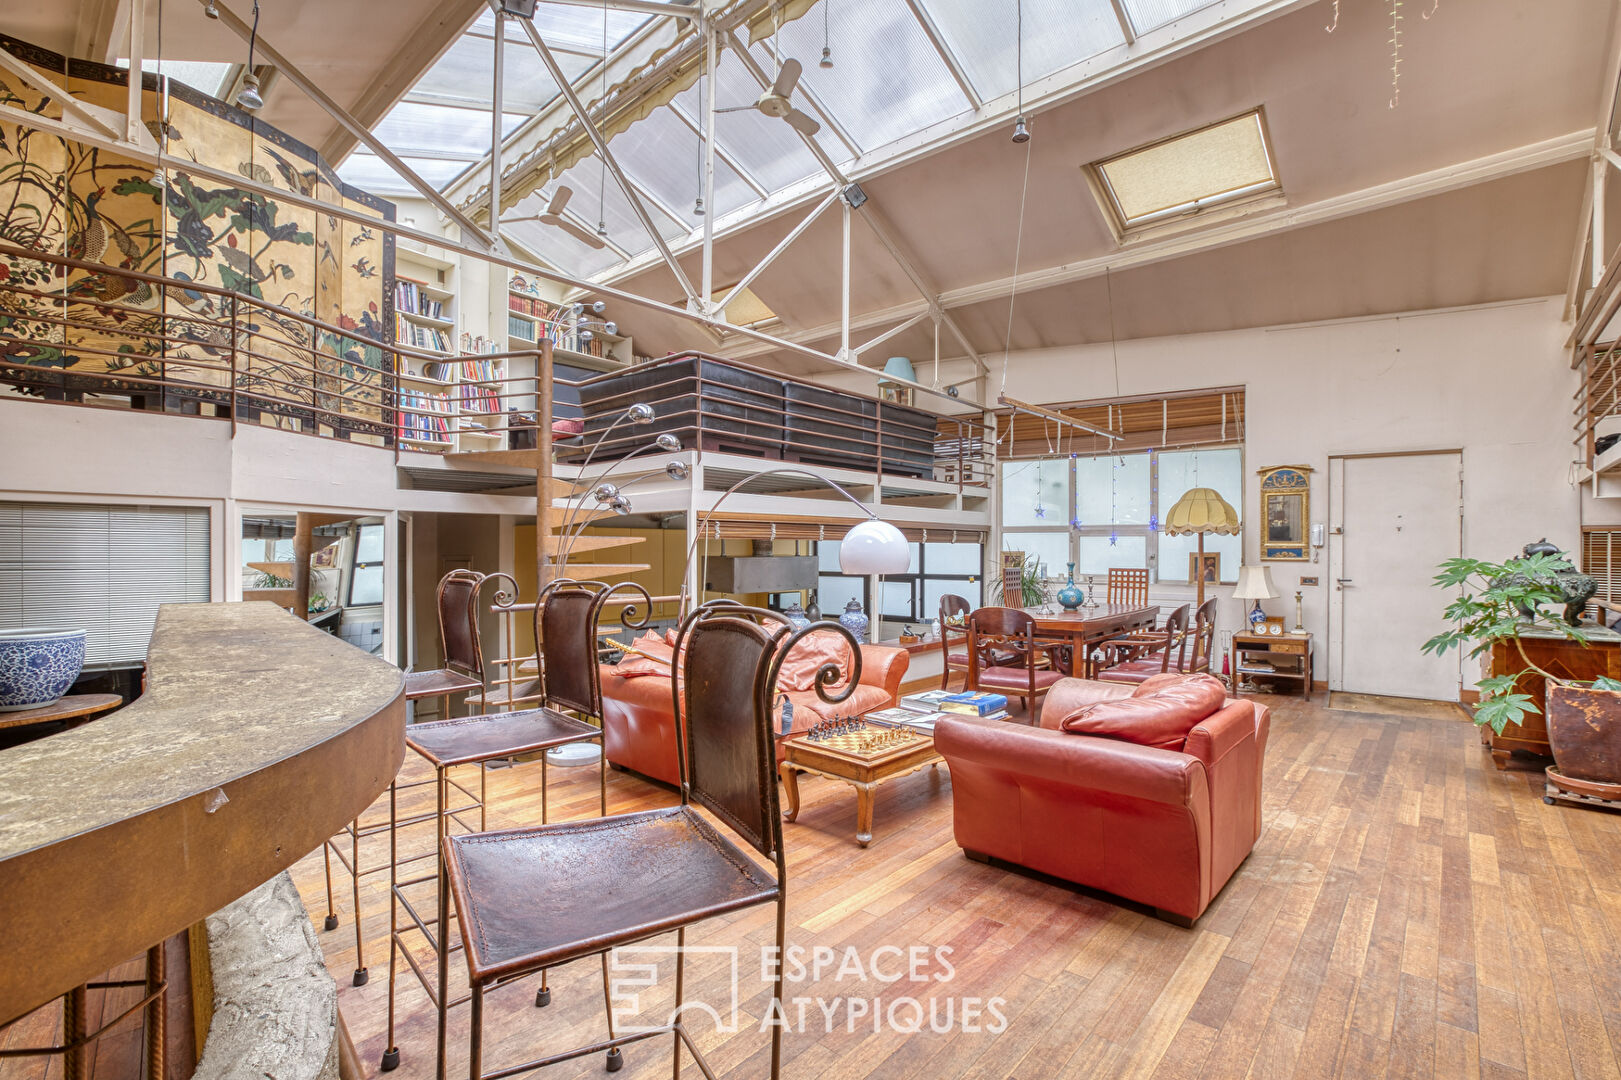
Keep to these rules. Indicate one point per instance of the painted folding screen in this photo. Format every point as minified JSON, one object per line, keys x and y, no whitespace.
{"x":64,"y":197}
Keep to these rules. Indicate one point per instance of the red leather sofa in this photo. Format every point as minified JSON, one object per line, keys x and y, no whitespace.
{"x":1165,"y":828}
{"x":638,"y":717}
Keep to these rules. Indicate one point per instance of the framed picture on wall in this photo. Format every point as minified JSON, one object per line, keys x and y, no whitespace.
{"x":1205,"y":567}
{"x":1285,"y":512}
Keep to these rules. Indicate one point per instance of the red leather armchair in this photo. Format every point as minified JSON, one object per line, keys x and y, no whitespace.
{"x":1163,"y":828}
{"x":638,"y":720}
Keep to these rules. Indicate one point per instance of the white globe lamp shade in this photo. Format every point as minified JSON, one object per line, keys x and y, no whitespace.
{"x":875,"y":547}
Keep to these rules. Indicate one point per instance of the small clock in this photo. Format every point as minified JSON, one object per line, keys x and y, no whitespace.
{"x":1276,"y":629}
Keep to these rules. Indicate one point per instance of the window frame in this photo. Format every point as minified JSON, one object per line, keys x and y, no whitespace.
{"x":1149,"y":530}
{"x":355,"y":565}
{"x":917,"y":581}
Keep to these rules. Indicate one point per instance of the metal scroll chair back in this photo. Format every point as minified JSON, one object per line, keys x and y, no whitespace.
{"x":729,"y":656}
{"x":566,"y":618}
{"x":1127,"y":586}
{"x":458,"y":622}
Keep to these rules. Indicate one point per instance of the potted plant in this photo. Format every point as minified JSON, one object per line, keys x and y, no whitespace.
{"x":1032,"y":589}
{"x":1500,"y":602}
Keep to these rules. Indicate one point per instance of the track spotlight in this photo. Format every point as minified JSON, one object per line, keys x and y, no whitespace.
{"x":248,"y":97}
{"x":698,"y":207}
{"x":210,"y":10}
{"x":1021,"y":131}
{"x":827,"y":58}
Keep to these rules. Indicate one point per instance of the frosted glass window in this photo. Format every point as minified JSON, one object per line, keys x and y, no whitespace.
{"x":934,"y":588}
{"x":569,"y":26}
{"x":559,"y":250}
{"x":1035,"y":492}
{"x":982,"y":35}
{"x":367,"y":587}
{"x":1112,"y":490}
{"x":662,"y":155}
{"x":1098,"y":555}
{"x":952,"y":558}
{"x":1145,"y":15}
{"x":833,"y":593}
{"x":898,"y":599}
{"x":827,"y":556}
{"x":369,"y":548}
{"x":768,"y":149}
{"x":1051,"y":549}
{"x":887,"y":81}
{"x":1203,"y":168}
{"x":1174,"y":552}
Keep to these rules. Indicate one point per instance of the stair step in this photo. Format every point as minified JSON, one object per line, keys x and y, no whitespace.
{"x":283,"y":570}
{"x":592,"y":571}
{"x":582,"y":544}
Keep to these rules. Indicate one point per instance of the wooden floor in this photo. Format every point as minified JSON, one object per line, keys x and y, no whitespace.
{"x":1409,"y":912}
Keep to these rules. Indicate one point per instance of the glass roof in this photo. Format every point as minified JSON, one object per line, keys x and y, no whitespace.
{"x":899,"y":67}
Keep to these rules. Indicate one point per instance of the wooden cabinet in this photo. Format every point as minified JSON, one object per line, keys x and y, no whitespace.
{"x":1287,"y":657}
{"x":1552,"y":651}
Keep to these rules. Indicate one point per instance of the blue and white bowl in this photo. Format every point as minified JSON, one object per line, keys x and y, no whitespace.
{"x":38,"y":666}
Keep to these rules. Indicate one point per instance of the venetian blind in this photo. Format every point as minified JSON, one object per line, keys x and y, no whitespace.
{"x":831,"y":529}
{"x":103,"y":568}
{"x":1601,"y":560}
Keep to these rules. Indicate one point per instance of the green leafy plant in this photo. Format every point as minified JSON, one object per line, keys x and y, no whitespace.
{"x":1498,"y":602}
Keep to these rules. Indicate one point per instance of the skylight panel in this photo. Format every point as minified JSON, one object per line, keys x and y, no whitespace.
{"x":370,"y":173}
{"x":204,"y":75}
{"x":1057,"y":33}
{"x":560,"y":250}
{"x":1188,"y":173}
{"x":768,"y":149}
{"x":571,"y":26}
{"x":1147,"y":15}
{"x":662,"y":155}
{"x":887,"y":79}
{"x":438,"y":131}
{"x":462,"y":76}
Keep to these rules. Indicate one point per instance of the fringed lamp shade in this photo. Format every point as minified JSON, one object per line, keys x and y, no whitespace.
{"x":1199,"y":511}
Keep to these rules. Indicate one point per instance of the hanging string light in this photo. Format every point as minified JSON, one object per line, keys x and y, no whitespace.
{"x":1041,"y":511}
{"x":827,"y":43}
{"x":602,"y":96}
{"x":1021,"y":129}
{"x":1395,"y":52}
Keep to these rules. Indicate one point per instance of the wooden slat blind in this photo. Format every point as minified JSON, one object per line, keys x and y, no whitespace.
{"x":830,"y":529}
{"x":1195,"y":418}
{"x":1601,"y":560}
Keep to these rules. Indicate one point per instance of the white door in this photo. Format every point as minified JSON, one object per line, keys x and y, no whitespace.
{"x":1393,"y":518}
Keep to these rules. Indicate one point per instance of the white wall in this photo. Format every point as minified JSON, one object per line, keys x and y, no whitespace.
{"x":1492,"y":381}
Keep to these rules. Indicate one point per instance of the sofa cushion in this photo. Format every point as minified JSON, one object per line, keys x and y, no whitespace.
{"x":865,"y":698}
{"x":657,"y":662}
{"x":1157,"y":683}
{"x":1162,"y":718}
{"x":809,"y":653}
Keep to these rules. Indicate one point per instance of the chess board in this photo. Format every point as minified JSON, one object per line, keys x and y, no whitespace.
{"x":866,"y":745}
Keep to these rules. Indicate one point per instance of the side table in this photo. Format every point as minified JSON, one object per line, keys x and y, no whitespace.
{"x":1296,"y":649}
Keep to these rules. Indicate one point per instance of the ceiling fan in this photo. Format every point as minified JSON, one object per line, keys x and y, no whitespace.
{"x":776,"y":101}
{"x":553,"y":215}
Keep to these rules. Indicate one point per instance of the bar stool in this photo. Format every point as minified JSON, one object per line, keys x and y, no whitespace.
{"x":566,"y":617}
{"x":457,"y":600}
{"x":532,"y":898}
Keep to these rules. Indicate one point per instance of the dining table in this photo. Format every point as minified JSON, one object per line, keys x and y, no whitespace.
{"x":1089,"y":625}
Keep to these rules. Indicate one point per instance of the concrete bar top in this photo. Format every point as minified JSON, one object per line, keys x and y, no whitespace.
{"x":258,"y":737}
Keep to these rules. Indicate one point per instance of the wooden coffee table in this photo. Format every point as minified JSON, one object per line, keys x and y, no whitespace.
{"x":863,"y":771}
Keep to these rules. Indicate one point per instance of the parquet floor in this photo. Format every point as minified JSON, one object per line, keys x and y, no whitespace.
{"x":1409,"y":912}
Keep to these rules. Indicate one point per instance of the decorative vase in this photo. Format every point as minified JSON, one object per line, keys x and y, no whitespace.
{"x":38,"y":666}
{"x":1070,"y":596}
{"x":854,"y":621}
{"x":796,"y":616}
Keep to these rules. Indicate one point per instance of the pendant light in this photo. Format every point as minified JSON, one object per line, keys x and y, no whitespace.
{"x":248,"y":97}
{"x":1021,"y":130}
{"x":826,"y":62}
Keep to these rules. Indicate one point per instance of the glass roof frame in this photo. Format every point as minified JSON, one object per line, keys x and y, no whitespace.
{"x":900,"y":67}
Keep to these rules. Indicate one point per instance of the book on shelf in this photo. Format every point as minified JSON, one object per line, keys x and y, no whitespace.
{"x":410,"y":297}
{"x":424,"y":416}
{"x":478,"y":399}
{"x":522,"y":329}
{"x":482,"y":370}
{"x":421,"y":337}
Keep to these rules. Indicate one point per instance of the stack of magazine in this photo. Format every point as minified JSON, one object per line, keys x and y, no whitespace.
{"x":920,"y":712}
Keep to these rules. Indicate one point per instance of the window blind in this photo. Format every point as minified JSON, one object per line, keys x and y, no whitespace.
{"x":1601,"y":560}
{"x":100,"y":567}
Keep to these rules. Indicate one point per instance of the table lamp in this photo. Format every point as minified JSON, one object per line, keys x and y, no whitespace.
{"x":1202,"y":510}
{"x":1255,"y":583}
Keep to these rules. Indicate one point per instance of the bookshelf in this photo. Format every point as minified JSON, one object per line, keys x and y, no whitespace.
{"x":580,"y":338}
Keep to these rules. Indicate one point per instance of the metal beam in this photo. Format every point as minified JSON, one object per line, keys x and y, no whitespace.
{"x":827,"y":115}
{"x":721,"y":152}
{"x":707,"y":299}
{"x":953,"y":64}
{"x":93,"y":116}
{"x":133,"y":124}
{"x":1563,"y":148}
{"x":294,"y":75}
{"x":782,"y":245}
{"x":607,"y":158}
{"x":886,"y":236}
{"x":897,"y":329}
{"x":1055,"y":417}
{"x":1124,"y":19}
{"x":644,"y":7}
{"x":498,"y":69}
{"x":754,"y":69}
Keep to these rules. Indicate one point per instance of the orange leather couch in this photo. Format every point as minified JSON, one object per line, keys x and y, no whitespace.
{"x":638,"y":717}
{"x":1163,"y":828}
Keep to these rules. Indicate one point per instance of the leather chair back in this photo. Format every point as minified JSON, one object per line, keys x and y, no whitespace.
{"x":458,"y":622}
{"x":952,"y":606}
{"x":566,"y":617}
{"x":729,"y":656}
{"x":1176,"y":637}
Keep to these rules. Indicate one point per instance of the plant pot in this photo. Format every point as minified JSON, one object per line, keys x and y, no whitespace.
{"x":1584,"y":729}
{"x":38,"y":666}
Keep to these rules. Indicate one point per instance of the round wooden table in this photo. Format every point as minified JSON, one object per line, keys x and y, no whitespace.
{"x":76,"y":709}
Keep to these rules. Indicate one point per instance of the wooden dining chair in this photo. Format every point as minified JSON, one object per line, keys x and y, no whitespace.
{"x":1136,"y":660}
{"x":1006,"y":657}
{"x":1127,"y":586}
{"x":953,"y":639}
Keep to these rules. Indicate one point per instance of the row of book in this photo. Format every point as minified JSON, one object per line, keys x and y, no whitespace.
{"x":421,"y":337}
{"x":424,"y":416}
{"x":479,"y":344}
{"x":408,"y":296}
{"x":479,"y":399}
{"x":531,"y":306}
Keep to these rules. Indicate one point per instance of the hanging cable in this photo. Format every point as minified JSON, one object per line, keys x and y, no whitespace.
{"x":248,"y":97}
{"x":1018,"y":249}
{"x":827,"y":38}
{"x":159,"y":179}
{"x":1114,"y":346}
{"x":703,"y":54}
{"x":602,"y":97}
